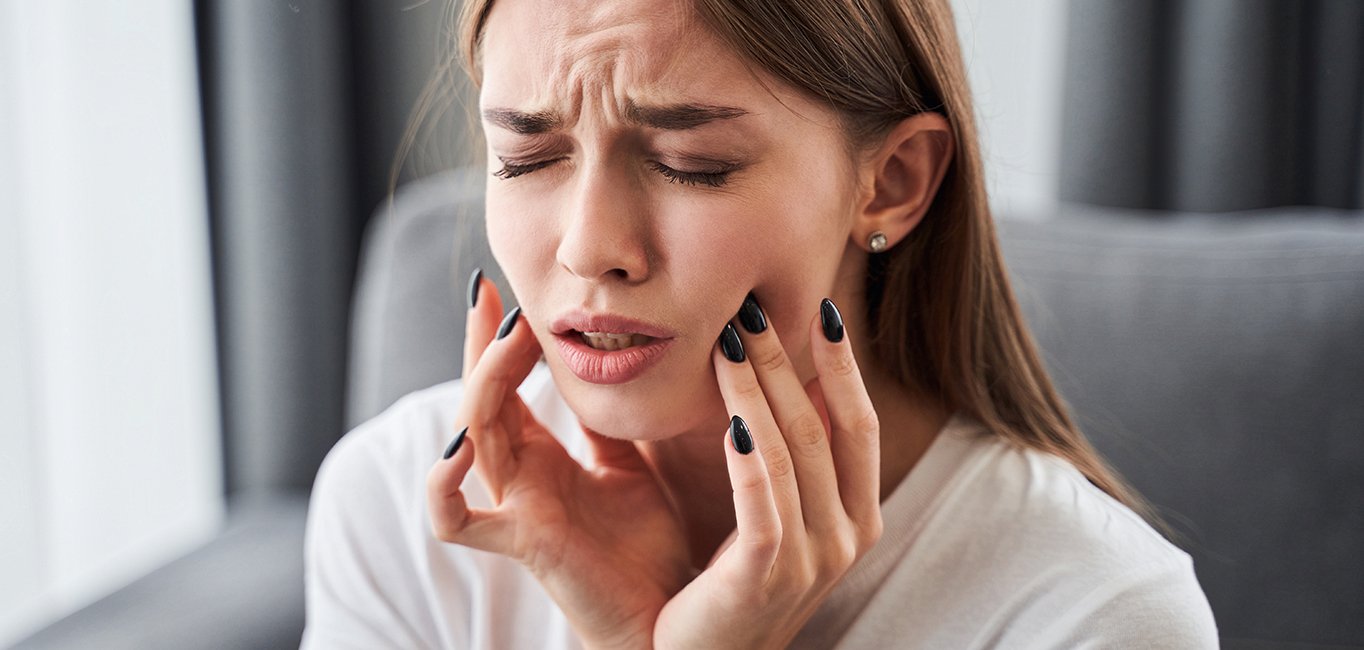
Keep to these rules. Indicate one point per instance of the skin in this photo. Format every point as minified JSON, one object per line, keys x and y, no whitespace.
{"x":600,"y":227}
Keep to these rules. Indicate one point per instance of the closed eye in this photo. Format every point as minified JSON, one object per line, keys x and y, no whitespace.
{"x":512,"y":170}
{"x":711,"y":179}
{"x":715,"y":178}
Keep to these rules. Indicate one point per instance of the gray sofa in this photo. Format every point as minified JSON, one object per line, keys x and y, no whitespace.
{"x":1217,"y":360}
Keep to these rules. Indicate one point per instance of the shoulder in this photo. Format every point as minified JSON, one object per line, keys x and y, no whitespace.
{"x":366,"y":502}
{"x":377,"y":471}
{"x":1076,"y":548}
{"x":374,"y":574}
{"x":1035,"y":495}
{"x":392,"y":452}
{"x":379,"y":450}
{"x":363,"y":518}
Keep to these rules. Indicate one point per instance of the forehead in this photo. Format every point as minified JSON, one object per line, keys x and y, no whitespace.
{"x":556,"y":54}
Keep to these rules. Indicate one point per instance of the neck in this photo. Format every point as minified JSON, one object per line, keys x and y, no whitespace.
{"x":692,"y":468}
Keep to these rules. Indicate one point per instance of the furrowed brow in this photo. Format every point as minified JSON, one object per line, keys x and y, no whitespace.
{"x":678,"y":117}
{"x":523,"y":122}
{"x":670,"y":117}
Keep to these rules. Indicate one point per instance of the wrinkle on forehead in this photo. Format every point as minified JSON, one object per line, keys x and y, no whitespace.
{"x":601,"y":47}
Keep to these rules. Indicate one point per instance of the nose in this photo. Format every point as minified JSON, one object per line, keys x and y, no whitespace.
{"x":605,"y":229}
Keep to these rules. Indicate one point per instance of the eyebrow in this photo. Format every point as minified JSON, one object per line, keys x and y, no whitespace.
{"x":679,"y":117}
{"x":670,"y":117}
{"x":522,"y":122}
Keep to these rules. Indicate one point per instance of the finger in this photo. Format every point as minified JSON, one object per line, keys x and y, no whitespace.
{"x":797,"y":419}
{"x":451,"y":518}
{"x":724,"y":546}
{"x":613,"y":452}
{"x":480,"y":322}
{"x":856,"y":433}
{"x":816,"y":395}
{"x":759,"y":530}
{"x":490,"y":404}
{"x":743,"y":396}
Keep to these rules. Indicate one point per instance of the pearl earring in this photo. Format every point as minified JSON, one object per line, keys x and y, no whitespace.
{"x":877,"y":242}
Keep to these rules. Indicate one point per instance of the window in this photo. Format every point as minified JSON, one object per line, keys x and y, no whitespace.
{"x":110,"y":460}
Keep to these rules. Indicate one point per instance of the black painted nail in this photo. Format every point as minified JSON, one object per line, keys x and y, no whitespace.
{"x":730,"y":345}
{"x":508,"y":322}
{"x":475,"y":281}
{"x":454,"y":444}
{"x":831,"y":320}
{"x":739,"y":435}
{"x":751,"y":315}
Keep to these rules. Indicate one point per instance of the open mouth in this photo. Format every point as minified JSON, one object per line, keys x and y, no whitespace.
{"x":608,"y":357}
{"x":607,"y":341}
{"x":606,"y":348}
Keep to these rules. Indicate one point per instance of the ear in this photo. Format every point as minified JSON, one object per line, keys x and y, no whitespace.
{"x":904,"y":175}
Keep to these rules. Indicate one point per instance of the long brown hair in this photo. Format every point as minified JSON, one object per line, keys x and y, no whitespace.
{"x":941,"y":310}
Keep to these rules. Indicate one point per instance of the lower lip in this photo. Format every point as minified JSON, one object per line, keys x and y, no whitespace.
{"x":608,"y":366}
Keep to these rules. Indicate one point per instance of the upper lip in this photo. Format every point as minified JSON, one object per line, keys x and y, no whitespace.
{"x":585,"y":321}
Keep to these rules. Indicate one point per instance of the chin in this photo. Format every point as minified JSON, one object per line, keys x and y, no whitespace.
{"x":641,"y":410}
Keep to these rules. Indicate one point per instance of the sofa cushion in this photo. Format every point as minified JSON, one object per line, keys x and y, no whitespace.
{"x":1218,"y":361}
{"x":407,"y":320}
{"x":243,"y":590}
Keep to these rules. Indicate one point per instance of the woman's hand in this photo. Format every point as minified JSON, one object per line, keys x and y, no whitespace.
{"x":604,"y":542}
{"x":806,"y":495}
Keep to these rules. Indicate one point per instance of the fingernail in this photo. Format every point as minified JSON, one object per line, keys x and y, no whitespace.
{"x":730,"y":345}
{"x":474,"y":283}
{"x":751,"y":315}
{"x":831,"y":320}
{"x":508,"y":322}
{"x":454,"y":444}
{"x":739,"y":435}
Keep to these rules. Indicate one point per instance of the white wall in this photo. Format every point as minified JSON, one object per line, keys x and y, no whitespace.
{"x":1014,"y":55}
{"x":109,"y":437}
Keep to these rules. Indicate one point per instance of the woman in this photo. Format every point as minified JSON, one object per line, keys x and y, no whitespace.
{"x":786,"y":397}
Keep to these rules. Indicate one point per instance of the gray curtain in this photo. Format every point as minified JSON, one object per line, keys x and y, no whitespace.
{"x":305,"y":102}
{"x":279,"y":123}
{"x":1214,"y":105}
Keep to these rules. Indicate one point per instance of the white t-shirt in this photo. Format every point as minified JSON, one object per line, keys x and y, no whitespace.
{"x":984,"y":546}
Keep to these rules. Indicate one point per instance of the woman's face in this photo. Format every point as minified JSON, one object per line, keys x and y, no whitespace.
{"x":611,"y":197}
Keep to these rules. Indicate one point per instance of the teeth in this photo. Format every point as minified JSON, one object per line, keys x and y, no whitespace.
{"x":607,"y":341}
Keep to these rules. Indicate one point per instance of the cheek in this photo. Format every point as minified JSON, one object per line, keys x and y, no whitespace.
{"x":706,"y":241}
{"x":785,"y":252}
{"x":777,"y":238}
{"x":794,"y":237}
{"x":518,"y":250}
{"x":501,"y":210}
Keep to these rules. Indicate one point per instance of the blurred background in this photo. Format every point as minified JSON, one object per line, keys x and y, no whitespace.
{"x":203,"y":285}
